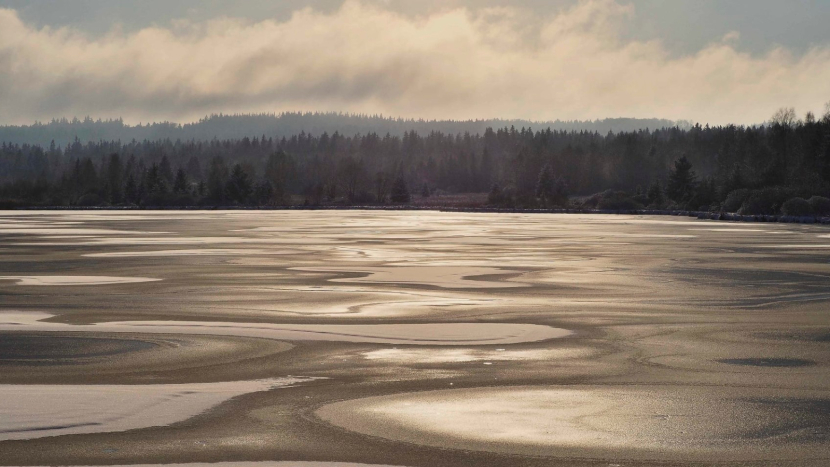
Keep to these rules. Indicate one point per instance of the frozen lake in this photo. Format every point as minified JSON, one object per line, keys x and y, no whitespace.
{"x":411,"y":338}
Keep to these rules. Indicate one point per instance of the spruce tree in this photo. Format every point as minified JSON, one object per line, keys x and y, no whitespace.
{"x":115,"y":174}
{"x":166,"y":171}
{"x":180,"y":185}
{"x":131,"y":190}
{"x":216,"y":180}
{"x":545,"y":185}
{"x":155,"y":181}
{"x":551,"y":190}
{"x":400,"y":192}
{"x":682,"y":181}
{"x":655,"y":193}
{"x":239,"y":186}
{"x":495,"y":195}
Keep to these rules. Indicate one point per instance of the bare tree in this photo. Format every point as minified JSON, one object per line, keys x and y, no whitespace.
{"x":785,"y":116}
{"x":351,"y":175}
{"x":382,"y":184}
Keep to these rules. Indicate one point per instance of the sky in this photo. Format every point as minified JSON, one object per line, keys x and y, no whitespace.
{"x":707,"y":61}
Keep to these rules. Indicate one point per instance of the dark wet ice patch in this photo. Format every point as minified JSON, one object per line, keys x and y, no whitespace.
{"x":768,"y":362}
{"x":803,"y":336}
{"x":23,"y":349}
{"x":823,"y":337}
{"x":50,"y":428}
{"x":802,"y":420}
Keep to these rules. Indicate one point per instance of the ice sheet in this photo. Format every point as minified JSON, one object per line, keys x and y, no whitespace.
{"x":37,"y":411}
{"x":75,"y":280}
{"x":450,"y":334}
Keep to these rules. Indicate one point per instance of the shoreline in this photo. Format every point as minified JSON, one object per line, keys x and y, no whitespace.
{"x":703,"y":215}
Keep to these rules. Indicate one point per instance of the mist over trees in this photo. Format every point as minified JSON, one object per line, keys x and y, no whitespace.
{"x":755,"y":170}
{"x":64,"y":131}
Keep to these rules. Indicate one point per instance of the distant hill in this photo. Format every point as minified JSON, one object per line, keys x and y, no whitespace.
{"x":220,"y":126}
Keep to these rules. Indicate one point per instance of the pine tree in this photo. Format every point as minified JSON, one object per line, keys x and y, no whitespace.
{"x":682,"y":181}
{"x":85,"y":177}
{"x":495,"y":195}
{"x":194,"y":168}
{"x":166,"y":171}
{"x":141,"y":192}
{"x":736,"y":178}
{"x":264,"y":192}
{"x":239,"y":187}
{"x":216,"y":180}
{"x":655,"y":193}
{"x":115,"y":174}
{"x":381,"y":186}
{"x":551,"y":190}
{"x":400,"y":192}
{"x":278,"y":171}
{"x":155,"y":182}
{"x":131,"y":190}
{"x":485,"y":170}
{"x":545,"y":185}
{"x":180,"y":185}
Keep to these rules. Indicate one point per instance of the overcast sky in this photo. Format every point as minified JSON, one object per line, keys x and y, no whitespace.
{"x":702,"y":60}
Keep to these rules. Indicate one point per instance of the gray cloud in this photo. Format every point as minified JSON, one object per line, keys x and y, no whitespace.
{"x":684,"y":26}
{"x":362,"y":57}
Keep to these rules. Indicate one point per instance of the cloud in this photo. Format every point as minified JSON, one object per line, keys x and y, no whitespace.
{"x":455,"y":63}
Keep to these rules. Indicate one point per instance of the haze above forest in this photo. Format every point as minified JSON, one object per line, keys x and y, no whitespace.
{"x":64,"y":131}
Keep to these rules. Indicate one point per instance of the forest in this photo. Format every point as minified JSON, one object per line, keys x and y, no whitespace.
{"x":781,"y":167}
{"x":237,"y":126}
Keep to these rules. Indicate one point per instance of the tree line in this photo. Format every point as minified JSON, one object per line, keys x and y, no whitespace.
{"x":236,"y":126}
{"x":734,"y":168}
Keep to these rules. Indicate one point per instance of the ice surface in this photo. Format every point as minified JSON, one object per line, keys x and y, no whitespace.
{"x":565,"y":420}
{"x":449,"y":277}
{"x":75,"y":280}
{"x":37,"y":411}
{"x":192,"y":252}
{"x":412,"y":334}
{"x":421,"y":356}
{"x":257,"y":464}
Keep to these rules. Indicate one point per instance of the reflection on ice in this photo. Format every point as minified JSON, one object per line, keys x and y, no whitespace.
{"x":192,"y":252}
{"x":411,"y":334}
{"x":258,"y":464}
{"x":75,"y":280}
{"x":449,"y":277}
{"x":36,"y":411}
{"x":427,"y":356}
{"x":657,"y":299}
{"x":68,"y":232}
{"x":641,"y":422}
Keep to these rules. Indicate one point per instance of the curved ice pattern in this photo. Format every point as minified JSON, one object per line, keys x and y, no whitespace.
{"x":37,"y":411}
{"x":412,"y":334}
{"x":75,"y":280}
